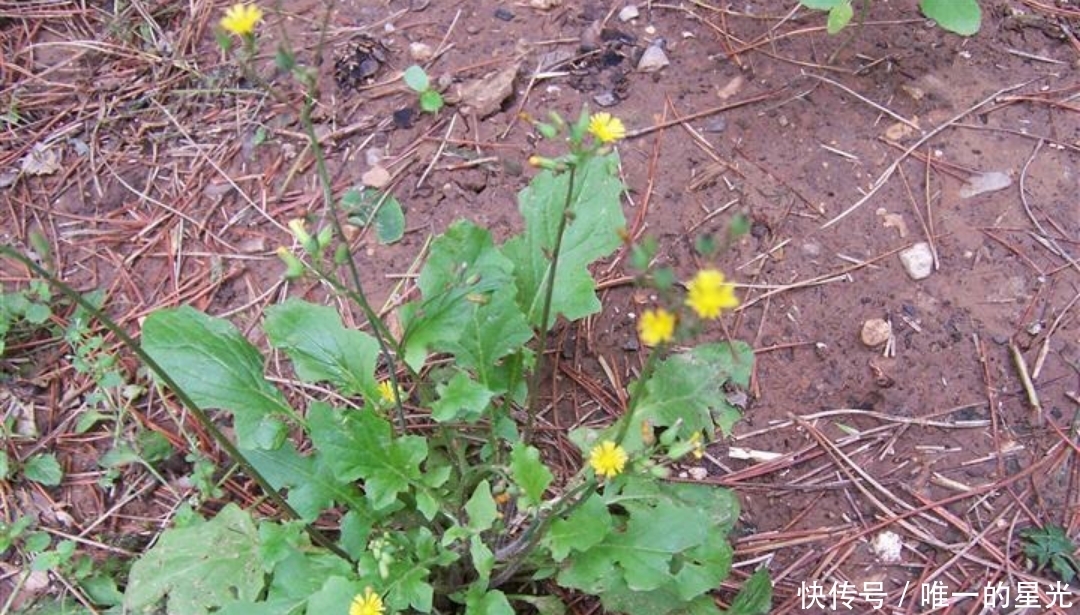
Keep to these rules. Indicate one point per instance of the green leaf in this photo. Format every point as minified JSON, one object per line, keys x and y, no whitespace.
{"x":199,"y":569}
{"x":43,"y":469}
{"x":591,"y":234}
{"x":334,"y":596}
{"x":5,"y":466}
{"x":322,"y":349}
{"x":960,"y":16}
{"x":463,"y":270}
{"x":302,"y":573}
{"x":755,"y":598}
{"x":821,"y":5}
{"x":492,"y":331}
{"x":530,"y":473}
{"x":481,"y":508}
{"x":1051,"y":545}
{"x":430,"y":101}
{"x":215,"y":365}
{"x":101,"y":590}
{"x":361,"y":445}
{"x":688,"y":390}
{"x":312,"y":484}
{"x":584,"y":528}
{"x":416,"y":78}
{"x":482,"y":602}
{"x":368,"y":206}
{"x":461,"y":399}
{"x":277,"y":541}
{"x":482,"y":557}
{"x":839,"y":17}
{"x":37,"y":313}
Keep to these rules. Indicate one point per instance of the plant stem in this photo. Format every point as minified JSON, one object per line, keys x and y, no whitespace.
{"x":545,"y":314}
{"x":377,"y":326}
{"x":199,"y":414}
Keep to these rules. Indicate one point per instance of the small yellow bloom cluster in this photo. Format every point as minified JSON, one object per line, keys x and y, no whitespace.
{"x":241,"y":19}
{"x":608,"y":459}
{"x":367,"y":603}
{"x":708,"y":294}
{"x":605,"y":128}
{"x":386,"y":392}
{"x":656,"y":327}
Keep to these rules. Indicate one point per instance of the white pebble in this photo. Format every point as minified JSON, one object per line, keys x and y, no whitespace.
{"x":918,"y":261}
{"x":629,"y":12}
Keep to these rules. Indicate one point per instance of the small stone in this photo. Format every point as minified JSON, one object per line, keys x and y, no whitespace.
{"x":504,"y":14}
{"x":887,"y":546}
{"x":420,"y":52}
{"x":986,"y":182}
{"x":605,"y":99}
{"x":698,"y":473}
{"x":875,"y":332}
{"x":376,"y":177}
{"x":717,"y":124}
{"x":918,"y":261}
{"x":653,"y":59}
{"x":403,"y":118}
{"x":811,"y":249}
{"x":783,"y":121}
{"x":629,"y":12}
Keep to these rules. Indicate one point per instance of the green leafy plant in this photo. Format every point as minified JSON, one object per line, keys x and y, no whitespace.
{"x":1050,"y":544}
{"x":24,"y":309}
{"x":959,"y":16}
{"x":427,"y":457}
{"x":417,"y":79}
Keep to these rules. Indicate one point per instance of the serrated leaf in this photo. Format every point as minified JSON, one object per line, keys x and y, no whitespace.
{"x":755,"y":598}
{"x":529,"y":473}
{"x":43,"y":469}
{"x":278,"y":540}
{"x":685,"y":389}
{"x":199,"y":569}
{"x":321,"y":348}
{"x":960,"y":16}
{"x":302,"y":573}
{"x":370,"y":206}
{"x":313,"y":487}
{"x":215,"y":365}
{"x":492,"y":331}
{"x":361,"y":445}
{"x":591,"y":234}
{"x":461,"y":399}
{"x":839,"y":17}
{"x":462,"y":271}
{"x":584,"y":528}
{"x":416,"y":78}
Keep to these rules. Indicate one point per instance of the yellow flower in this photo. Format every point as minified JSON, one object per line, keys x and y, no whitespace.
{"x":386,"y":392}
{"x":699,"y":449}
{"x":708,"y":294}
{"x":241,"y":19}
{"x":607,"y":459}
{"x":656,"y":326}
{"x":606,"y":128}
{"x":367,"y":603}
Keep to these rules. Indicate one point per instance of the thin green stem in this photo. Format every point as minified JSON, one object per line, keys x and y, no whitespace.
{"x":545,"y":314}
{"x":196,"y":411}
{"x":377,"y":327}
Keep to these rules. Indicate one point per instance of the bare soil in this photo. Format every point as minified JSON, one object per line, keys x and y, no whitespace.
{"x":175,"y":179}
